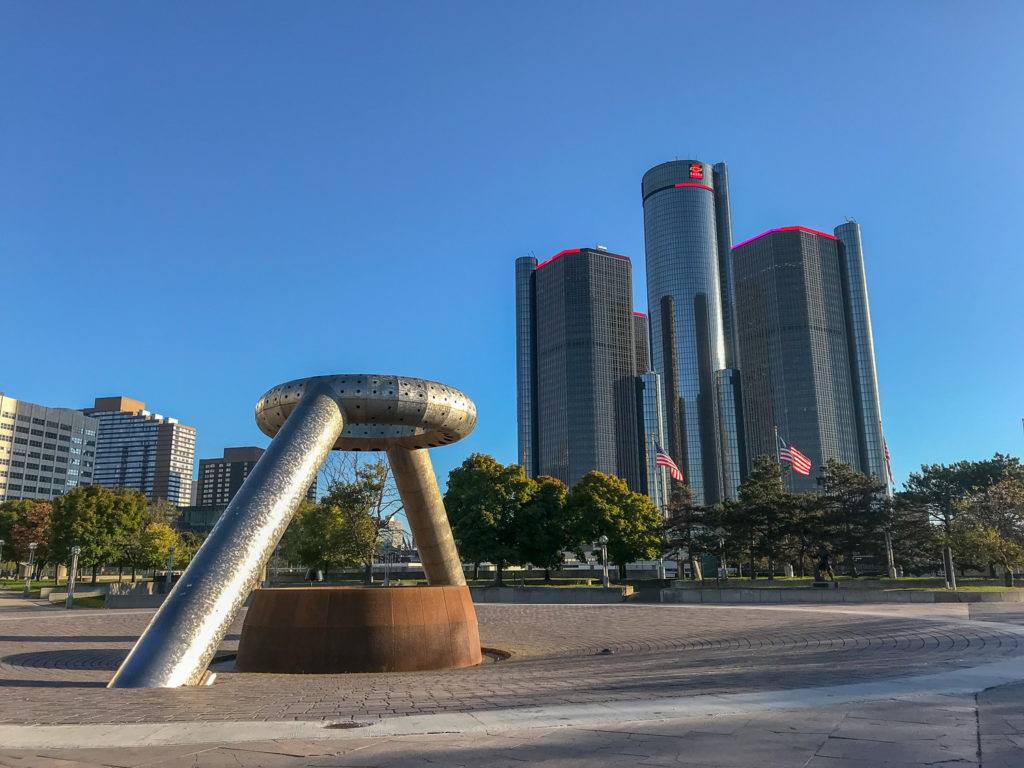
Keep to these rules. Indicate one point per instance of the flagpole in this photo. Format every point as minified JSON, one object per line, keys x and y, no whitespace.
{"x":778,"y":458}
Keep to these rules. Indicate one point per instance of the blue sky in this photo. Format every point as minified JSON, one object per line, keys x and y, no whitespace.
{"x":198,"y":202}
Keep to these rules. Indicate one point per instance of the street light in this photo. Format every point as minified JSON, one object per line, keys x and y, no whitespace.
{"x":31,"y":560}
{"x":603,"y":541}
{"x":1,"y":556}
{"x":170,"y":565}
{"x":69,"y":601}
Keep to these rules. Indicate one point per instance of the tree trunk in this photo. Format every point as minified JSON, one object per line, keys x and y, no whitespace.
{"x":547,"y":575}
{"x":499,"y":567}
{"x":368,"y":573}
{"x":771,"y":569}
{"x":476,"y":571}
{"x":94,"y":573}
{"x":120,"y":570}
{"x":133,"y":574}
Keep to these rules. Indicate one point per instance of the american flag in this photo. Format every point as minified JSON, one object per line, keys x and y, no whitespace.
{"x":662,"y":459}
{"x":789,"y":454}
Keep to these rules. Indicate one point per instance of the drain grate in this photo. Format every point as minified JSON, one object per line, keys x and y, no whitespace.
{"x":346,"y":726}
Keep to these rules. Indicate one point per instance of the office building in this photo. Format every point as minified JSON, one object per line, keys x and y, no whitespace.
{"x":805,"y":342}
{"x":142,"y":450}
{"x":44,"y":452}
{"x":576,"y":366}
{"x":687,"y":238}
{"x":220,"y":479}
{"x":654,"y":478}
{"x":218,"y":482}
{"x":862,"y":352}
{"x":641,"y":340}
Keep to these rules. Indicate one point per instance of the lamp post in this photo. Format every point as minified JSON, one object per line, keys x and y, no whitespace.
{"x":31,"y":560}
{"x":603,"y":541}
{"x":170,"y":565}
{"x":1,"y":556}
{"x":69,"y":602}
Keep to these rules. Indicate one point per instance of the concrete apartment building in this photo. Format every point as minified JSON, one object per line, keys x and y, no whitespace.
{"x":44,"y":452}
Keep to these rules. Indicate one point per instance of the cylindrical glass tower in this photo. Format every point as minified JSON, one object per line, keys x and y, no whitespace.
{"x":862,"y":352}
{"x":526,"y":371}
{"x":685,"y":313}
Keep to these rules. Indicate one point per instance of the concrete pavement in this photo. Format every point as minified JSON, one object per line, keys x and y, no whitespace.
{"x":808,"y":686}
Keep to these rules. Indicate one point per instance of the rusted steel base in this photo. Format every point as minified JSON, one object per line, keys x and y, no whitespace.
{"x":325,"y":630}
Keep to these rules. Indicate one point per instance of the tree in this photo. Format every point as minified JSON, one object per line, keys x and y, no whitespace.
{"x":940,"y":490}
{"x":162,"y":511}
{"x":20,"y":524}
{"x":190,"y":544}
{"x":602,"y":505}
{"x":483,"y":500}
{"x":541,"y":525}
{"x":688,"y":530}
{"x":33,"y":526}
{"x":916,"y":545}
{"x":99,"y":520}
{"x":854,"y":514}
{"x":764,"y":501}
{"x":805,"y":531}
{"x":366,"y":494}
{"x":148,"y":547}
{"x":317,"y":538}
{"x":943,"y":492}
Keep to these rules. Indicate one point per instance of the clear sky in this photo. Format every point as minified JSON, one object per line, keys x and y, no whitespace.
{"x":200,"y":201}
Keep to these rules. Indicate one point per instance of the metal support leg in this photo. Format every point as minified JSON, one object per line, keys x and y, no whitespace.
{"x":428,"y":521}
{"x":180,"y":641}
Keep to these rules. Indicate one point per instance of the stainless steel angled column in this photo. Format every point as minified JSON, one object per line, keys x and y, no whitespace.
{"x":428,"y":521}
{"x":180,"y":641}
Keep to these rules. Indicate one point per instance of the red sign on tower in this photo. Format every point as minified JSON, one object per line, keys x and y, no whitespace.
{"x":696,"y":172}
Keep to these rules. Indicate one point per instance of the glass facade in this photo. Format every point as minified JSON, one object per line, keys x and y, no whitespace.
{"x":652,"y":431}
{"x":686,"y":224}
{"x":582,"y":348}
{"x":862,"y":352}
{"x":792,"y":333}
{"x":526,"y":370}
{"x":734,"y":451}
{"x":44,"y":452}
{"x":143,"y":451}
{"x":641,"y":342}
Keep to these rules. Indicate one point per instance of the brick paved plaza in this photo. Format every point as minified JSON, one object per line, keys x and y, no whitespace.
{"x":740,"y":663}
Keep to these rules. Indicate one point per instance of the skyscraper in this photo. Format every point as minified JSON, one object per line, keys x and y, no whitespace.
{"x":44,"y":452}
{"x":142,"y":450}
{"x":800,"y":350}
{"x":862,"y":352}
{"x":687,"y":235}
{"x":576,"y":366}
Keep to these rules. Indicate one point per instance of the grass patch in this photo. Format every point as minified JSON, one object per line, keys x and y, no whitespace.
{"x":96,"y":601}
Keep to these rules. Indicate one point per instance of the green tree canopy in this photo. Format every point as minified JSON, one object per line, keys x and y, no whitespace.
{"x":764,"y":511}
{"x":689,"y":531}
{"x":99,"y":520}
{"x":602,"y":505}
{"x":853,"y":510}
{"x":542,"y":524}
{"x":483,"y":500}
{"x":318,"y":538}
{"x":941,"y":490}
{"x":367,"y":502}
